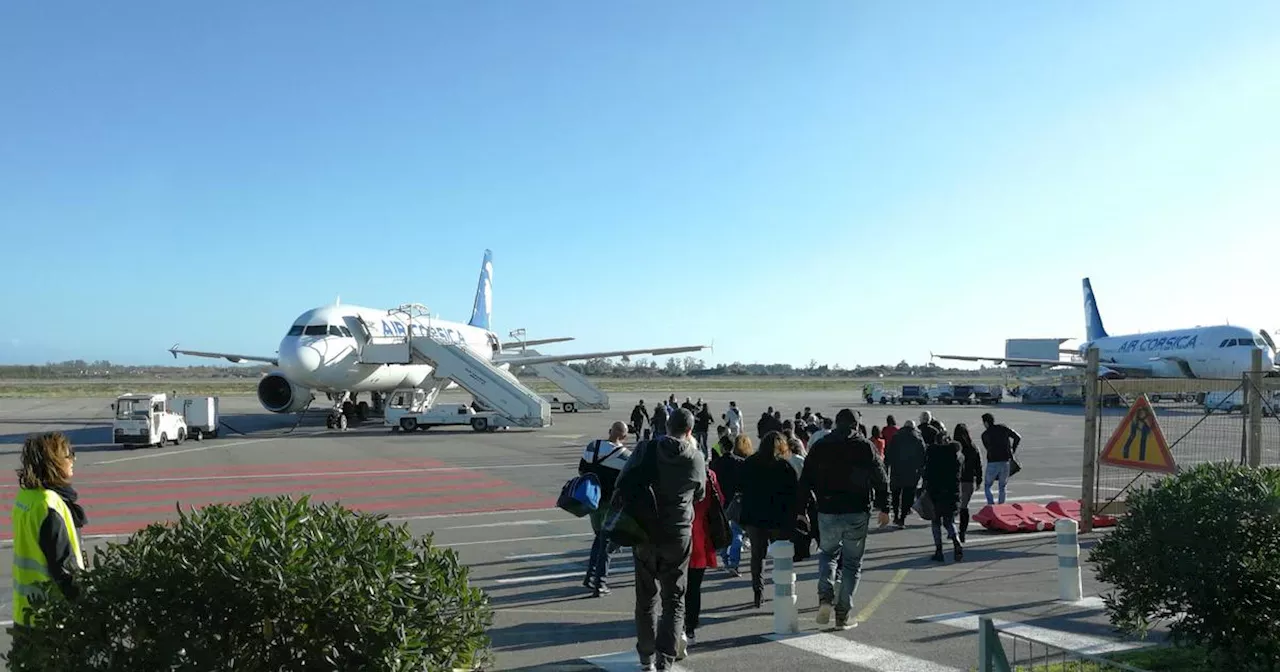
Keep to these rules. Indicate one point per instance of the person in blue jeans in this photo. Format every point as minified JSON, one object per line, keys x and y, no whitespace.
{"x":846,"y":476}
{"x":605,"y":458}
{"x":1001,"y":444}
{"x":728,"y":467}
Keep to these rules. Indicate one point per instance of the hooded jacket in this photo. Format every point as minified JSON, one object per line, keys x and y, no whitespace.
{"x":679,"y":481}
{"x":845,"y":474}
{"x":904,"y":456}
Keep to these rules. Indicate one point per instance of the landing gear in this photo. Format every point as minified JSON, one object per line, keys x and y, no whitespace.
{"x":343,"y":408}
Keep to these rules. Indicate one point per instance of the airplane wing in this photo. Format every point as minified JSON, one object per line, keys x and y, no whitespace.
{"x":1128,"y":370}
{"x":230,"y":357}
{"x":516,"y":359}
{"x":537,"y":341}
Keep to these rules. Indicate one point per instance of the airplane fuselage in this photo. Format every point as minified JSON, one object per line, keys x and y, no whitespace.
{"x":1202,"y":352}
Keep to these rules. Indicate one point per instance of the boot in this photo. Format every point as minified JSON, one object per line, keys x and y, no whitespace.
{"x":937,"y":553}
{"x":958,"y":549}
{"x":759,"y":597}
{"x":964,"y":523}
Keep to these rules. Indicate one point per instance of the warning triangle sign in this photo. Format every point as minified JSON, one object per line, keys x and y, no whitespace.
{"x":1138,"y":442}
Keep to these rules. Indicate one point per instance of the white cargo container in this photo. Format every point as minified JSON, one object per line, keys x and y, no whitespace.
{"x":201,"y":414}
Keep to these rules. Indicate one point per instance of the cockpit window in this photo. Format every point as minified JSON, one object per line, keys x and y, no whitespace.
{"x":346,"y":332}
{"x":316,"y":330}
{"x":295,"y":330}
{"x":334,"y":331}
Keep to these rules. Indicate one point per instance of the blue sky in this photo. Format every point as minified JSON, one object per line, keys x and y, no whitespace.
{"x":851,"y":182}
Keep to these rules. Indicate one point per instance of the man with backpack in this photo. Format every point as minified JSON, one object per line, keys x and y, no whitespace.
{"x":605,"y":458}
{"x":669,"y":473}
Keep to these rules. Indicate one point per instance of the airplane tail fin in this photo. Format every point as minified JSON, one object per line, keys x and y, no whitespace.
{"x":483,"y":305}
{"x":1092,"y":319}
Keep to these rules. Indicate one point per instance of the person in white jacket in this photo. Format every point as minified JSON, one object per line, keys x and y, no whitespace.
{"x":733,"y":418}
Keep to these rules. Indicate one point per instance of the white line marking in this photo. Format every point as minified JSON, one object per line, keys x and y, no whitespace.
{"x":535,"y":556}
{"x":430,"y":516}
{"x":209,"y":446}
{"x":507,"y":523}
{"x":1069,"y":641}
{"x":861,"y":655}
{"x":311,"y":474}
{"x":1032,"y":498}
{"x":543,"y":577}
{"x":509,"y":541}
{"x":565,"y":436}
{"x":623,"y":661}
{"x":5,"y":624}
{"x":1068,"y":486}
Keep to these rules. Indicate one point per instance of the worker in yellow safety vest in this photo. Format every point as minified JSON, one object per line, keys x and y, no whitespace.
{"x":46,"y":521}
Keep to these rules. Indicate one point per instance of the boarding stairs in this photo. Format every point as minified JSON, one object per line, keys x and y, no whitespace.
{"x":492,"y":387}
{"x":573,"y":383}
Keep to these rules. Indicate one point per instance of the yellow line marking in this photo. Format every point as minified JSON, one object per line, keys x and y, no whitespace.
{"x":881,"y":596}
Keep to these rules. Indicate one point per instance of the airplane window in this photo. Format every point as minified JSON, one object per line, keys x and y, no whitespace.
{"x":316,"y":330}
{"x":295,"y":330}
{"x":346,"y":332}
{"x":334,"y":331}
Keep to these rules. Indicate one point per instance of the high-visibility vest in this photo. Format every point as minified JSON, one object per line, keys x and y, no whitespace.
{"x":30,"y":569}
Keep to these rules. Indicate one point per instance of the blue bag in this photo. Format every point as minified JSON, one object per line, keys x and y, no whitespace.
{"x":580,"y":495}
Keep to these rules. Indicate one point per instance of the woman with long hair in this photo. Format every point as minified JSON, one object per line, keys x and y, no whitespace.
{"x":728,"y":467}
{"x":46,"y":522}
{"x":971,"y":477}
{"x":877,"y":441}
{"x":767,"y":483}
{"x":702,"y":556}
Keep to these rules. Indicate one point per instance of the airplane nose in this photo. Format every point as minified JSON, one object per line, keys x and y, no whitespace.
{"x":300,"y":360}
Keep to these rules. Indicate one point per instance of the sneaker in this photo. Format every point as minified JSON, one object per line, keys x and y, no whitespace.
{"x":843,"y":623}
{"x":682,"y":647}
{"x":646,"y":666}
{"x":824,"y":614}
{"x":602,"y":589}
{"x":693,"y":639}
{"x":733,"y":571}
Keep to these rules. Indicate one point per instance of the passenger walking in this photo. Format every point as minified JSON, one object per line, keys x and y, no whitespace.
{"x":878,"y":441}
{"x":639,"y":418}
{"x":724,"y":442}
{"x":1002,"y":444}
{"x":970,"y":478}
{"x":943,"y":467}
{"x":815,"y":437}
{"x":660,"y":416}
{"x":702,"y":419}
{"x":678,"y":480}
{"x":702,"y":557}
{"x":605,"y":458}
{"x":846,"y":479}
{"x":767,"y":483}
{"x":46,"y":526}
{"x":890,"y":428}
{"x":728,"y":468}
{"x":733,"y":418}
{"x":904,"y":457}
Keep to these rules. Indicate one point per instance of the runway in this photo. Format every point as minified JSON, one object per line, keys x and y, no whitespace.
{"x":491,"y":497}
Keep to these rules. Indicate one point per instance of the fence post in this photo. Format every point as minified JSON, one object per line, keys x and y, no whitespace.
{"x":786,"y":620}
{"x":1255,"y":410}
{"x":1070,"y":587}
{"x":991,"y":657}
{"x":1092,"y":401}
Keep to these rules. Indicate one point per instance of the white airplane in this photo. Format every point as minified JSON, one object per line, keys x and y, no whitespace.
{"x":1202,"y":352}
{"x":322,"y":353}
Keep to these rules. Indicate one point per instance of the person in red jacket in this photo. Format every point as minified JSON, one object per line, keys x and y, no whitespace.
{"x":890,"y":428}
{"x":701,"y":557}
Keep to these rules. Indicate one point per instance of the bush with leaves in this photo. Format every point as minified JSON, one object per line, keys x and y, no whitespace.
{"x":267,"y":585}
{"x":1202,"y":550}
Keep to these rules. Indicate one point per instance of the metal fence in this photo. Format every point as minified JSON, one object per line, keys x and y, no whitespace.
{"x":1003,"y":651}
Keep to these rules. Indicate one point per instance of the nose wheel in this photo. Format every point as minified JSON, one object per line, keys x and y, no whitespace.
{"x":336,"y":420}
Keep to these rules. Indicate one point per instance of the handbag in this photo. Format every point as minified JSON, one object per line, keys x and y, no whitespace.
{"x":580,"y":495}
{"x":1014,"y":467}
{"x":633,"y":512}
{"x":717,"y":522}
{"x":924,"y":505}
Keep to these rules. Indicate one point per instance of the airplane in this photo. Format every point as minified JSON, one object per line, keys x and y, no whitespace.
{"x":321,"y":352}
{"x":1221,"y":351}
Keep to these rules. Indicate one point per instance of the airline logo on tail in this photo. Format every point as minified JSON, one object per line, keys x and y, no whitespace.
{"x":483,"y":306}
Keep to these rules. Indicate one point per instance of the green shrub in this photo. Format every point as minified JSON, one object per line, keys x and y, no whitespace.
{"x":268,"y":585}
{"x":1201,"y":549}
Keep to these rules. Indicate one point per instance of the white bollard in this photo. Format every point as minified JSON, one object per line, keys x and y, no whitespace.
{"x":1070,"y":588}
{"x":786,"y":619}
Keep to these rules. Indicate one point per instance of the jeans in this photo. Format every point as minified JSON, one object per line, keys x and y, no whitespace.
{"x":996,"y":470}
{"x":660,"y":578}
{"x":938,"y":522}
{"x":903,"y":499}
{"x":733,"y":555}
{"x":844,"y":534}
{"x":693,"y":600}
{"x":598,"y":566}
{"x":701,"y":439}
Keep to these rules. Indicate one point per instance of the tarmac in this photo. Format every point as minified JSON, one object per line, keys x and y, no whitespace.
{"x":491,"y":496}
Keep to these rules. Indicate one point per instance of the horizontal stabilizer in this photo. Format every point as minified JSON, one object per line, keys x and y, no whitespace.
{"x":516,"y":359}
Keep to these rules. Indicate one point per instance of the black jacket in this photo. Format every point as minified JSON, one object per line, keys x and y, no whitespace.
{"x":904,"y":456}
{"x":844,"y":473}
{"x":639,"y":415}
{"x":942,"y":468}
{"x":702,"y":420}
{"x":972,"y":472}
{"x":727,"y":467}
{"x":1001,"y":443}
{"x":768,"y":487}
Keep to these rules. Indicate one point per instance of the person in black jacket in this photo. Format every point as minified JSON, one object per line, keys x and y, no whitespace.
{"x":942,"y":469}
{"x":659,"y":420}
{"x":728,"y":467}
{"x":970,"y":477}
{"x":639,"y":418}
{"x":702,"y":419}
{"x":1002,"y":444}
{"x":904,"y":457}
{"x":767,"y":483}
{"x":845,"y":476}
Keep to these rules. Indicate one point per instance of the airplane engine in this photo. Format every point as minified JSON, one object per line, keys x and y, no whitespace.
{"x":278,"y":395}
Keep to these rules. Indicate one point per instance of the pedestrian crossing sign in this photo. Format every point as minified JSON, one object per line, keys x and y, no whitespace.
{"x":1138,"y":442}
